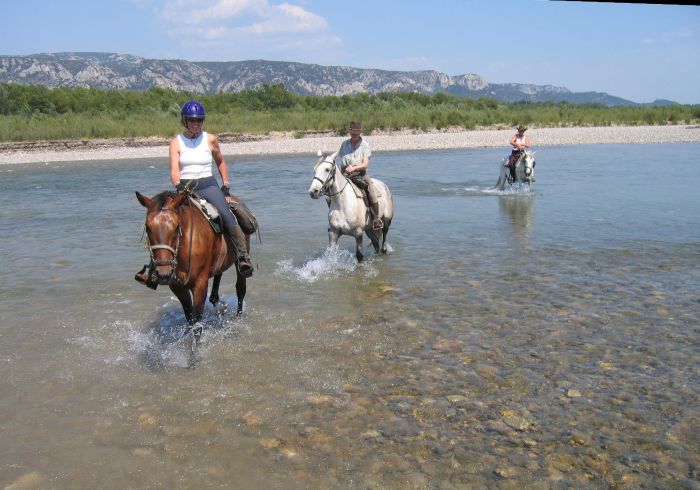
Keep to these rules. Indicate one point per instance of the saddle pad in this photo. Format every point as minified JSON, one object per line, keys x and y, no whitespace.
{"x":209,"y":212}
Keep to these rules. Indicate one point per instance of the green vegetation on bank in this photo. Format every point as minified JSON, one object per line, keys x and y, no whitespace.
{"x":34,"y":112}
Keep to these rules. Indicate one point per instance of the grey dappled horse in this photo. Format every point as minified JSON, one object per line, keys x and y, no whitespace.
{"x":524,"y":171}
{"x":347,"y":212}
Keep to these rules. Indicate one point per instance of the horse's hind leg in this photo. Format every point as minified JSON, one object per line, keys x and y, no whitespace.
{"x":374,"y":239}
{"x":385,"y":231}
{"x":214,"y":296}
{"x":241,"y":287}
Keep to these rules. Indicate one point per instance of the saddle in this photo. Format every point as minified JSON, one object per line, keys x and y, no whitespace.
{"x":245,"y":217}
{"x":359,"y":186}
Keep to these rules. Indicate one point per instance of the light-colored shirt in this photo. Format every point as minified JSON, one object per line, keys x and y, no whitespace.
{"x":350,"y":155}
{"x":195,"y":157}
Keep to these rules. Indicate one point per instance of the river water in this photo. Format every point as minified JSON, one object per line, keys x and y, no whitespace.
{"x":541,"y":339}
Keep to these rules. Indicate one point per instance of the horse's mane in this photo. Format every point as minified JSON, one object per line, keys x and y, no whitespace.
{"x":323,"y":157}
{"x":162,"y":197}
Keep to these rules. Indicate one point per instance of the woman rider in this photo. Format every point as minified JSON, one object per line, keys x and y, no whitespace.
{"x":191,"y":155}
{"x":519,"y":142}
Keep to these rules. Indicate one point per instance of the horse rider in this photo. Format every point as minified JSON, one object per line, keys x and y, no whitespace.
{"x":519,"y":142}
{"x":192,"y":153}
{"x":354,"y":156}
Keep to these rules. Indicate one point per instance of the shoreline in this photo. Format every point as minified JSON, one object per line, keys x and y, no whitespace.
{"x":287,"y":143}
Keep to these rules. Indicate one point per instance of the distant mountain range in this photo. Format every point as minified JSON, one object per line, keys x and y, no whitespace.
{"x":120,"y":71}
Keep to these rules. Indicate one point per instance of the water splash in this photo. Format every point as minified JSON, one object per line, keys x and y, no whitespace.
{"x":334,"y":262}
{"x":160,"y":344}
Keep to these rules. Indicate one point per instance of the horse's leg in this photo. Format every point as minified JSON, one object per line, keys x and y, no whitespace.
{"x":214,"y":296}
{"x":240,"y":292}
{"x":199,"y":296}
{"x":374,"y":239}
{"x":358,"y":248}
{"x":333,"y":237}
{"x":385,"y":230}
{"x":183,"y":294}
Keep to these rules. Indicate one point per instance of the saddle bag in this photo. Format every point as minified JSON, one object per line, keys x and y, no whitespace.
{"x":246,"y":218}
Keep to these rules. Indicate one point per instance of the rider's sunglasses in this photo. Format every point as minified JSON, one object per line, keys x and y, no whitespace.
{"x":195,"y":119}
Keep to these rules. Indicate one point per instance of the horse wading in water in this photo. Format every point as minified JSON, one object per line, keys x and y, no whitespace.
{"x":347,"y":212}
{"x":186,"y":251}
{"x":524,"y":171}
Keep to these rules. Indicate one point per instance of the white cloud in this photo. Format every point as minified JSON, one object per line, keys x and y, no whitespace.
{"x":228,"y":17}
{"x":670,"y":37}
{"x":247,"y":29}
{"x":288,"y":18}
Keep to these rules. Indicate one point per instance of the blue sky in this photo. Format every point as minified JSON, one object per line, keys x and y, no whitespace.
{"x":640,"y":52}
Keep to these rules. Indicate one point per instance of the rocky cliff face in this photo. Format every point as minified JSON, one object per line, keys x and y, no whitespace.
{"x":119,"y":71}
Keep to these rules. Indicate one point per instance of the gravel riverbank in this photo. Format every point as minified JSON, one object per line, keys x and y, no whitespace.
{"x":285,"y":143}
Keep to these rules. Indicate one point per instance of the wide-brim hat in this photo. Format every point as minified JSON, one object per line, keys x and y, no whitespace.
{"x":355,"y":128}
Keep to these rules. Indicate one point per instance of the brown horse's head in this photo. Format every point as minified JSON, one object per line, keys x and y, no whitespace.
{"x":163,"y":231}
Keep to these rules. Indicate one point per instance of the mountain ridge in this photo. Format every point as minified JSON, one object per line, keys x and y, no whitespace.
{"x":131,"y":72}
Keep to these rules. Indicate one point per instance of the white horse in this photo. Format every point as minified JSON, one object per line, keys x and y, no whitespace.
{"x":524,"y":171}
{"x":347,"y":212}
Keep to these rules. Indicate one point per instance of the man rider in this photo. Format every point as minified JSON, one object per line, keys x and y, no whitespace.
{"x":354,"y":156}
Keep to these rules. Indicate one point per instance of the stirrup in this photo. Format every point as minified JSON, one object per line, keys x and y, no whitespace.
{"x":377,"y":224}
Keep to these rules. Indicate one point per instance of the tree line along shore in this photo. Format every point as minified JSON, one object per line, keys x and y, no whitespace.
{"x":32,"y":113}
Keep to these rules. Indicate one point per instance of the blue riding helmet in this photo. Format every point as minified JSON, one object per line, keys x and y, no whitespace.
{"x":192,"y":108}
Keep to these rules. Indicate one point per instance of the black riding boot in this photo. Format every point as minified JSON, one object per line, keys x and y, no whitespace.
{"x":374,"y":211}
{"x":238,"y":238}
{"x":147,"y":278}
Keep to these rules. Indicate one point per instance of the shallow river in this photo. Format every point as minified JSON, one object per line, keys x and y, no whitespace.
{"x":541,"y":339}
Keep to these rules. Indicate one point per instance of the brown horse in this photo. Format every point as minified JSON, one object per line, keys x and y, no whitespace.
{"x":186,"y":251}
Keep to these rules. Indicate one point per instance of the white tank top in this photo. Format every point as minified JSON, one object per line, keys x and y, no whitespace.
{"x":195,"y":157}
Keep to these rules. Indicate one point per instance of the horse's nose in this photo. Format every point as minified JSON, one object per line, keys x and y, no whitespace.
{"x":164,"y":274}
{"x":313,"y":193}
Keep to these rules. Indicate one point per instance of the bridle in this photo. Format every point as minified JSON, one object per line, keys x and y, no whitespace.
{"x":330,"y":180}
{"x":158,"y":246}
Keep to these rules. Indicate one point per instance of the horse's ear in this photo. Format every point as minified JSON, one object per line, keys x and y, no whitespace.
{"x":319,"y":153}
{"x":145,"y":201}
{"x":179,"y":199}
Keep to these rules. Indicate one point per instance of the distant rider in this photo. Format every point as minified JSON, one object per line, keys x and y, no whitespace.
{"x":519,"y":142}
{"x":191,"y":156}
{"x":354,"y":156}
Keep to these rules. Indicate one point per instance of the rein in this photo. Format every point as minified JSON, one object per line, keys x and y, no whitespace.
{"x":160,"y":246}
{"x":325,"y":186}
